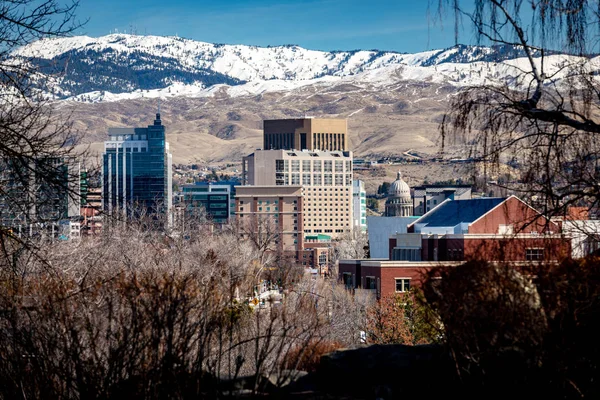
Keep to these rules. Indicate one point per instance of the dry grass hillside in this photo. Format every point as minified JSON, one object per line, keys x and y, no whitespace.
{"x":223,"y":129}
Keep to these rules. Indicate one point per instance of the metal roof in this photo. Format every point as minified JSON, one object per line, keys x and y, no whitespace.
{"x":454,"y":212}
{"x":421,"y":191}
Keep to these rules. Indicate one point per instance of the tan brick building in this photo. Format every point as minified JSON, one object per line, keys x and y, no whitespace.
{"x":269,"y":209}
{"x":325,"y":177}
{"x":306,"y":133}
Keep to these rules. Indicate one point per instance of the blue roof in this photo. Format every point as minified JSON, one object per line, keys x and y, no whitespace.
{"x":454,"y":212}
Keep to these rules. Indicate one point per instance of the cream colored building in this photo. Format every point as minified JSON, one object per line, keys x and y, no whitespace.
{"x":325,"y":177}
{"x":326,"y":134}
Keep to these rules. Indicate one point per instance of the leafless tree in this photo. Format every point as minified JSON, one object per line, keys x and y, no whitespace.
{"x":349,"y":246}
{"x":141,"y":313}
{"x":543,"y":118}
{"x":36,"y":144}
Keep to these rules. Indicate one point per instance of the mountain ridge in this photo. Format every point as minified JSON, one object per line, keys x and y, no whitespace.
{"x":86,"y":68}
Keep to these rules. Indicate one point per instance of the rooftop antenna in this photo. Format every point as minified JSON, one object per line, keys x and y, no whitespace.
{"x":157,"y":120}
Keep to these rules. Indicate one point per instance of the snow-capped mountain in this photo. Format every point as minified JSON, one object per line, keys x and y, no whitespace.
{"x":121,"y":66}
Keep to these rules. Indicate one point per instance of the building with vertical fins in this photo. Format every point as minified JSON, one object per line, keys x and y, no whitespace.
{"x":326,"y":134}
{"x":359,"y":205}
{"x":137,"y":170}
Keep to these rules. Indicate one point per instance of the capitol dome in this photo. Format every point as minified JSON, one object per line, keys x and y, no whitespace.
{"x":399,"y":202}
{"x":399,"y":188}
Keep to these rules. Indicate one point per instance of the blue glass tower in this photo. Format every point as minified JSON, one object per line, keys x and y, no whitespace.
{"x":137,"y":170}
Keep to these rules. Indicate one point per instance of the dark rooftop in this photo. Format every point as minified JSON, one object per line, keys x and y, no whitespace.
{"x":454,"y":212}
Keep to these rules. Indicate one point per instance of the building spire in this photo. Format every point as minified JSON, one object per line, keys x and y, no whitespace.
{"x":157,"y":120}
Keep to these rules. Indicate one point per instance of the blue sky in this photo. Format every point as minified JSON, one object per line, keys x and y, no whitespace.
{"x":399,"y":25}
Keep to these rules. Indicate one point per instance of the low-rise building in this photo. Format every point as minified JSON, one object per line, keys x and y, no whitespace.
{"x":211,"y":198}
{"x":490,"y":229}
{"x":493,"y":229}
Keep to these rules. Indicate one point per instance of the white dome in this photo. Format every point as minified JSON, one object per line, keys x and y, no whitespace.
{"x":399,"y":188}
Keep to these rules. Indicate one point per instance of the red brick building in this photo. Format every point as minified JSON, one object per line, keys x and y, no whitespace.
{"x":491,"y":229}
{"x":384,"y":277}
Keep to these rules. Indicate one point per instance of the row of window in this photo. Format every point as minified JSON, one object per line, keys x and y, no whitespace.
{"x":341,"y":224}
{"x":310,"y":180}
{"x":312,"y":166}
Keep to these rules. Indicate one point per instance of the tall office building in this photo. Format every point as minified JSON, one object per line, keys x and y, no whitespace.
{"x":325,"y":177}
{"x":137,"y":170}
{"x":305,"y":134}
{"x":39,"y":196}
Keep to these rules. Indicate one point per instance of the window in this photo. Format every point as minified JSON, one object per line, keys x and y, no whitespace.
{"x":306,"y":165}
{"x":347,"y":279}
{"x":505,"y":229}
{"x":534,"y":254}
{"x":339,"y":166}
{"x":295,"y":179}
{"x":328,"y":180}
{"x":322,"y":259}
{"x":406,"y":254}
{"x":339,"y":180}
{"x":348,"y":166}
{"x":317,"y":166}
{"x":348,"y":179}
{"x":281,"y":166}
{"x":306,"y":179}
{"x":402,"y":285}
{"x":370,"y":282}
{"x":328,"y":166}
{"x":295,"y":165}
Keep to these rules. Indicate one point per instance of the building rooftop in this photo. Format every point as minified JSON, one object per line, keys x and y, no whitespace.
{"x":306,"y":153}
{"x":320,"y":237}
{"x":431,"y":189}
{"x":454,"y":212}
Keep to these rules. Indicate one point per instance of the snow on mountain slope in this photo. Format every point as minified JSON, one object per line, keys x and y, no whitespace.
{"x":121,"y":66}
{"x":454,"y":74}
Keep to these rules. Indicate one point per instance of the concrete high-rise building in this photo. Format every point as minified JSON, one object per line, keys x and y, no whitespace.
{"x":306,"y":133}
{"x":137,"y":170}
{"x":325,"y":177}
{"x":359,"y":205}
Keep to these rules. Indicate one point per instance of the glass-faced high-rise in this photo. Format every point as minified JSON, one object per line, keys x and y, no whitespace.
{"x":137,"y":170}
